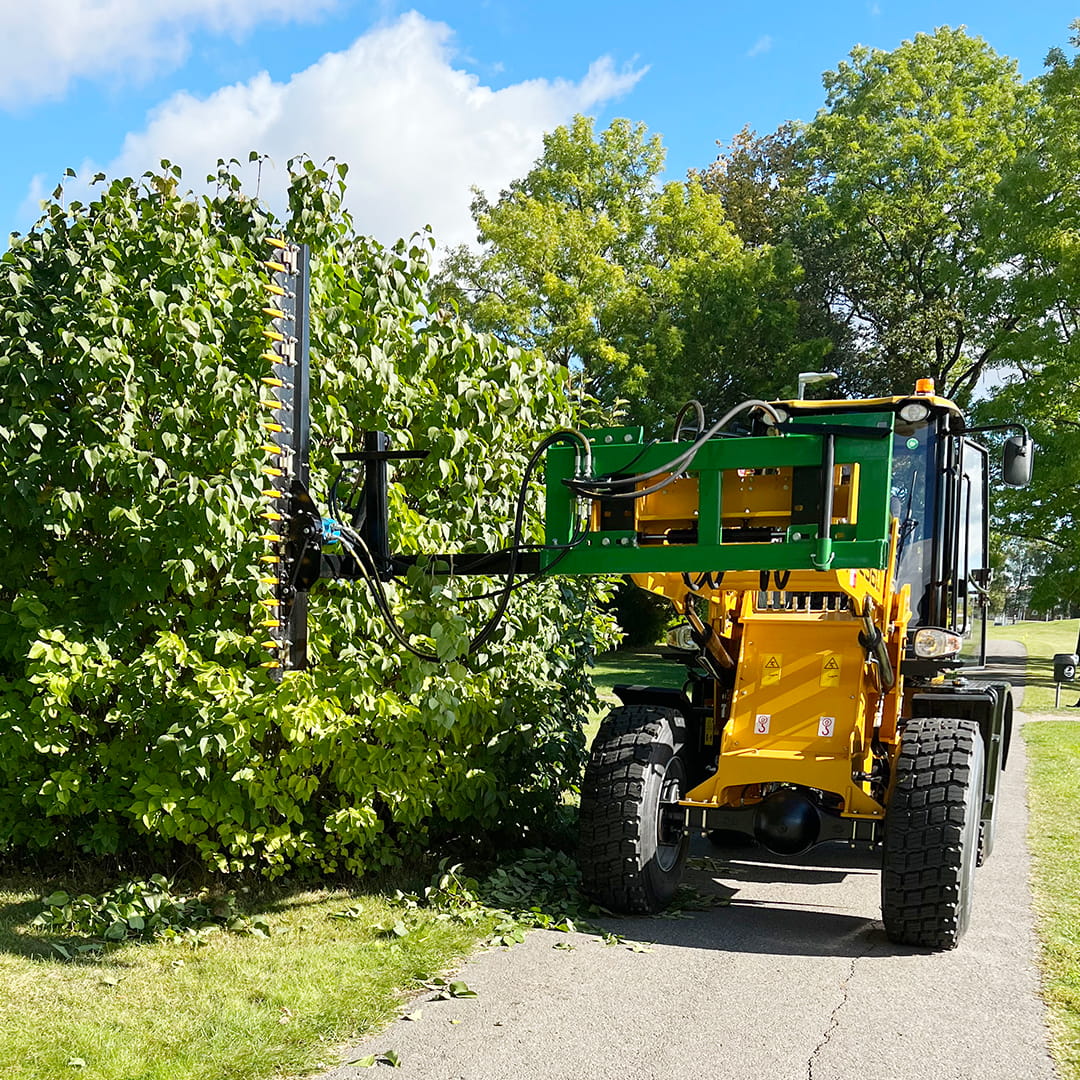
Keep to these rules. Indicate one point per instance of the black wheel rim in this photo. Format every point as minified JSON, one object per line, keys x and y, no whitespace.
{"x":670,"y":834}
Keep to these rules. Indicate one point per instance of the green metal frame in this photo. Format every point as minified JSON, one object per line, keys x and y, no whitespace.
{"x":863,"y":545}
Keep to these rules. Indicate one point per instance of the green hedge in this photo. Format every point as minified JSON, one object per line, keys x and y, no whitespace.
{"x":134,"y":714}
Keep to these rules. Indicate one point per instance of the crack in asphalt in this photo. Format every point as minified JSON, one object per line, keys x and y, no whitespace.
{"x":834,"y":1019}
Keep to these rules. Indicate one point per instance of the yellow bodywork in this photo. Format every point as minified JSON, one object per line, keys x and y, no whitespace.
{"x":808,"y":705}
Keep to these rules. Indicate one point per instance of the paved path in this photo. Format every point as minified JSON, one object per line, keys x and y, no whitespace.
{"x":795,"y":980}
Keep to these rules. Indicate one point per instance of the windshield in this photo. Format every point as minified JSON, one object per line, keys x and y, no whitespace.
{"x":914,"y":503}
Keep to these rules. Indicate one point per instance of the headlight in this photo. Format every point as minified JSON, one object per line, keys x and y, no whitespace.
{"x":930,"y":643}
{"x":681,"y":637}
{"x":914,"y":411}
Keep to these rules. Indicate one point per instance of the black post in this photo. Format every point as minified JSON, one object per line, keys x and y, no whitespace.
{"x":376,"y":511}
{"x":1076,"y":650}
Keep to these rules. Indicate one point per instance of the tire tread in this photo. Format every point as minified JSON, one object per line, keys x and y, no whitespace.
{"x":922,"y":886}
{"x":610,"y":851}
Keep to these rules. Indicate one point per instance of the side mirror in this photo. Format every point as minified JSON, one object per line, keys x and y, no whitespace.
{"x":1016,"y":466}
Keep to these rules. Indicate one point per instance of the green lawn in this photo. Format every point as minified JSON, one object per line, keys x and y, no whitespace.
{"x":1042,"y":640}
{"x":1054,"y":799}
{"x":240,"y":1007}
{"x":631,"y":666}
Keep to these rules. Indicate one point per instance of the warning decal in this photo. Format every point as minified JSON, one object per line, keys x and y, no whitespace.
{"x":830,"y":669}
{"x":761,"y":723}
{"x":826,"y":727}
{"x":771,"y":666}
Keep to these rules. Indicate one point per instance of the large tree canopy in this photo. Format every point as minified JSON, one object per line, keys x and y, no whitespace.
{"x":1038,"y":213}
{"x":644,"y":287}
{"x":889,"y":198}
{"x":903,"y":166}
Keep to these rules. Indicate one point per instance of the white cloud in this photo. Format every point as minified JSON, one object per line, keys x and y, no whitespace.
{"x":416,"y":132}
{"x":762,"y":45}
{"x":47,"y":43}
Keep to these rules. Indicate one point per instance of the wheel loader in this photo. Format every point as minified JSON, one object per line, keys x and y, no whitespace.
{"x":829,"y":562}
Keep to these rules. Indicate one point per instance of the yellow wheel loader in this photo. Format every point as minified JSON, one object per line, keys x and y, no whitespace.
{"x":829,"y":560}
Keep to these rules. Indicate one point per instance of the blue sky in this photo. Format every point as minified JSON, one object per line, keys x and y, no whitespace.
{"x":424,"y":101}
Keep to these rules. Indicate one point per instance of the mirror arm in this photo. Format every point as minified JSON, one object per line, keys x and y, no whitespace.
{"x":999,"y":427}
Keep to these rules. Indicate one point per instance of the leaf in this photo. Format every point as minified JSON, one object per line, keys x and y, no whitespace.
{"x":56,"y":899}
{"x":363,"y":1062}
{"x":391,"y":1058}
{"x":77,"y":1063}
{"x":459,"y":989}
{"x":414,"y":1015}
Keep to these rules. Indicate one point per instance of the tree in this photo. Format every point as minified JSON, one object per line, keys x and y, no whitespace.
{"x":1037,"y":214}
{"x":761,"y":181}
{"x":134,"y":713}
{"x":903,"y":166}
{"x":888,"y":198}
{"x":643,"y":287}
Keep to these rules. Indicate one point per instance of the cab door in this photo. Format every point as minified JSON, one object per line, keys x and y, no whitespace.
{"x":969,"y":596}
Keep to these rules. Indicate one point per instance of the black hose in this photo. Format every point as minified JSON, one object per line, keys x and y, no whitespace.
{"x":627,"y":487}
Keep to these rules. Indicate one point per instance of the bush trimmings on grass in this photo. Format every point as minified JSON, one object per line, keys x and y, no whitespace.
{"x":140,"y":911}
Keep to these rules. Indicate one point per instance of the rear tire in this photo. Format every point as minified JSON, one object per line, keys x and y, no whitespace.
{"x":633,"y":844}
{"x":932,"y":833}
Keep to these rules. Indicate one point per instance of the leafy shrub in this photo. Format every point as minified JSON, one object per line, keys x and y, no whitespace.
{"x":134,"y":714}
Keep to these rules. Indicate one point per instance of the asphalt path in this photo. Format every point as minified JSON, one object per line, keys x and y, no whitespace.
{"x":793,"y":979}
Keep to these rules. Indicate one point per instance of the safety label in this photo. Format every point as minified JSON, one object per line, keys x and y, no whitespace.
{"x":761,"y":723}
{"x":826,"y":727}
{"x":830,"y":669}
{"x":771,"y":666}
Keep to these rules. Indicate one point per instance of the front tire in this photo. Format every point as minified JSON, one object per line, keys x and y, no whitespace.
{"x":932,"y":833}
{"x":633,"y":844}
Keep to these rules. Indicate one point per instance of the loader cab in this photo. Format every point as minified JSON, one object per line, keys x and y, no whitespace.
{"x":939,"y":498}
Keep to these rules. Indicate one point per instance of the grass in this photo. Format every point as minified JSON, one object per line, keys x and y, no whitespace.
{"x":1054,"y":836}
{"x":1042,"y":640}
{"x":238,"y":1007}
{"x":1054,"y":799}
{"x":631,"y":666}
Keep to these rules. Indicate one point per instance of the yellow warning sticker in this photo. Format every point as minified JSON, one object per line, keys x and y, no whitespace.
{"x":771,"y":666}
{"x":830,"y":669}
